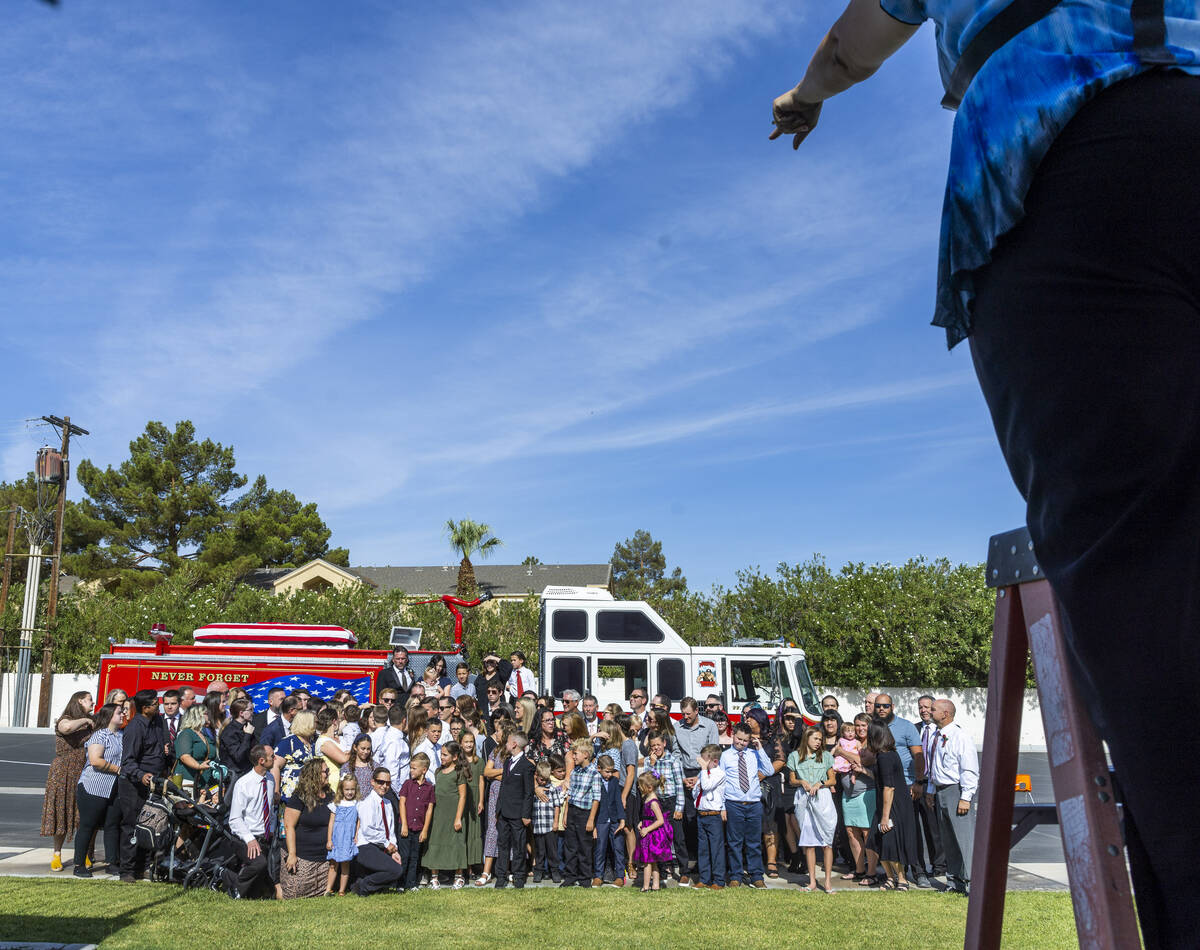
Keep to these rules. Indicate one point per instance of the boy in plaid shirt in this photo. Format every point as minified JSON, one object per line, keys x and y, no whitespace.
{"x":668,"y":766}
{"x":546,"y":815}
{"x":584,"y":789}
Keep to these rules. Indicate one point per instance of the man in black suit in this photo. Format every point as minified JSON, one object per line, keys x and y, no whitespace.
{"x":143,"y":759}
{"x":495,"y":673}
{"x":514,"y":812}
{"x":275,"y":732}
{"x":263,"y":719}
{"x":397,"y":675}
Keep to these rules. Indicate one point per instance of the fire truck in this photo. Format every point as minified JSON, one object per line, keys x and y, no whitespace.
{"x":592,"y":643}
{"x":262,"y":656}
{"x":588,"y":641}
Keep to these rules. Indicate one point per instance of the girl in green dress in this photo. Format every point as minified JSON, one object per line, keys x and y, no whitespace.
{"x":475,"y":801}
{"x":447,"y":838}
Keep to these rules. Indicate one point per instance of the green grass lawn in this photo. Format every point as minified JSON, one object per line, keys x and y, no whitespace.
{"x":147,"y":916}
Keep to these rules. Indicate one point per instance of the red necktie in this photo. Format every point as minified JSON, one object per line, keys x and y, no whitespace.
{"x":266,"y":812}
{"x":700,"y":791}
{"x":383,"y":814}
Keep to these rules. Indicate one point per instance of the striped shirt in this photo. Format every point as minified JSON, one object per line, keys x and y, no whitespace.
{"x":96,"y":783}
{"x":1017,"y":104}
{"x":585,"y":786}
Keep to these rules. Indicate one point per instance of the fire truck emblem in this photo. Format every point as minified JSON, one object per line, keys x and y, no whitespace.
{"x":707,"y":676}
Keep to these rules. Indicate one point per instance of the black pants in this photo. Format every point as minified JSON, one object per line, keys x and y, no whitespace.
{"x":669,"y":804}
{"x":577,"y":847}
{"x":1087,"y":347}
{"x":131,"y":798}
{"x":929,"y":837}
{"x":377,"y":870}
{"x":510,"y":851}
{"x":545,"y":854}
{"x":96,"y":813}
{"x":410,"y":857}
{"x":691,"y":846}
{"x":254,"y":876}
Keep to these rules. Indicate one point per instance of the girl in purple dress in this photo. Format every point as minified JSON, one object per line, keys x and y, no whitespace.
{"x":656,"y":840}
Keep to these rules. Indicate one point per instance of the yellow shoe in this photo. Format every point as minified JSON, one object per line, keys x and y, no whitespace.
{"x":56,"y":863}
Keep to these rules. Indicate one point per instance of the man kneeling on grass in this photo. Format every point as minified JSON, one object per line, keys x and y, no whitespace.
{"x":378,"y":859}
{"x":252,"y":819}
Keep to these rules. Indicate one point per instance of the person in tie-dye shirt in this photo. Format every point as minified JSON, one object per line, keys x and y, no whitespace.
{"x":1070,"y":258}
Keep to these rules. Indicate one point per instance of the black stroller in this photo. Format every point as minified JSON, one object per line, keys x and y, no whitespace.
{"x":188,"y":838}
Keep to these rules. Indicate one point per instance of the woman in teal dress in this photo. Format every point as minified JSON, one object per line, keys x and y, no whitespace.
{"x":195,"y":751}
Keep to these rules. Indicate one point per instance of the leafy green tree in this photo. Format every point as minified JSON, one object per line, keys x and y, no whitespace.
{"x":268,"y":527}
{"x":158,"y":507}
{"x":640,"y":570}
{"x":469,"y":537}
{"x":530,"y":561}
{"x":173,"y":502}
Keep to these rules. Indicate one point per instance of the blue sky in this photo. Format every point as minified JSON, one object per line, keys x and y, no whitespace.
{"x":530,"y":263}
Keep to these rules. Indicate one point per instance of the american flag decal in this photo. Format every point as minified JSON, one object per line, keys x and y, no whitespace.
{"x":322,"y":686}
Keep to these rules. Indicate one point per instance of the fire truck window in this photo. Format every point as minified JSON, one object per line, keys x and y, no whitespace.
{"x":618,"y":677}
{"x":808,"y":692}
{"x":566,"y":672}
{"x":568,"y":625}
{"x":671,"y":679}
{"x":750,"y":679}
{"x":626,"y":626}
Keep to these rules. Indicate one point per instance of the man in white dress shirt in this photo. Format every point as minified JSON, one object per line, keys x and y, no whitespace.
{"x":252,"y":820}
{"x":391,"y":748}
{"x":378,"y":860}
{"x":953,"y":781}
{"x":927,"y":824}
{"x":520,"y":679}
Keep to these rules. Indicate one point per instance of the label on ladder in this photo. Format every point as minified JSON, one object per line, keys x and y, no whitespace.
{"x":1051,"y":677}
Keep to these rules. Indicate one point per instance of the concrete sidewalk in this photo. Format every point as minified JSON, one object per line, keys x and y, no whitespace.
{"x":35,"y":863}
{"x":9,"y":945}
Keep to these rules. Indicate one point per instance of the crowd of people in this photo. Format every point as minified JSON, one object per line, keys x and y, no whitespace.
{"x":477,"y":780}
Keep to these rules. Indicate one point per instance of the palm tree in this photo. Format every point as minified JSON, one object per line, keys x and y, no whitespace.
{"x":469,"y":537}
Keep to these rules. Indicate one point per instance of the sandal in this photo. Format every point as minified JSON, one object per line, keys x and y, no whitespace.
{"x":483,"y":879}
{"x":866,"y":881}
{"x":808,"y":888}
{"x":854,"y":876}
{"x":887,"y":886}
{"x":773,"y":869}
{"x":900,"y":887}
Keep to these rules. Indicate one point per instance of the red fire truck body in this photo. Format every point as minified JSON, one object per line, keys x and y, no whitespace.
{"x":256,"y":657}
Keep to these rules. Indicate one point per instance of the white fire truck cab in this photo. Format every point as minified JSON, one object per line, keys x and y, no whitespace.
{"x":592,"y":643}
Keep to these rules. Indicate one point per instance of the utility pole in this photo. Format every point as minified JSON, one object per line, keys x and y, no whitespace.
{"x":52,"y":599}
{"x":8,"y":556}
{"x":4,"y":585}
